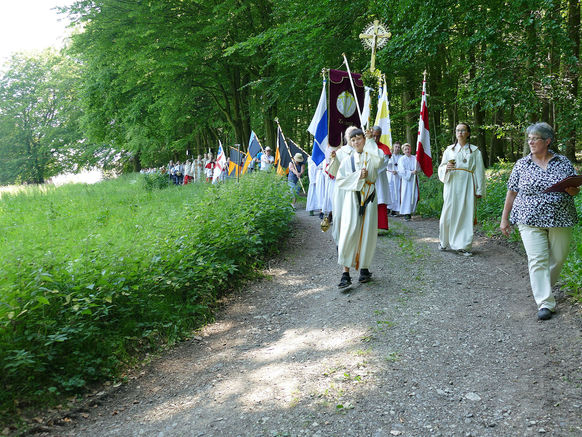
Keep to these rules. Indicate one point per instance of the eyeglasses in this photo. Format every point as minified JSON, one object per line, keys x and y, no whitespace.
{"x":533,"y":139}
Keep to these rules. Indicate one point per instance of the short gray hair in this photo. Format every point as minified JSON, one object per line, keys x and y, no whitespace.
{"x":377,"y":129}
{"x":543,"y":129}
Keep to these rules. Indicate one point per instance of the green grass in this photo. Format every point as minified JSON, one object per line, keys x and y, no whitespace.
{"x":93,"y":276}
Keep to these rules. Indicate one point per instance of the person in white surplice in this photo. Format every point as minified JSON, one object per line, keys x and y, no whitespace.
{"x":358,"y":222}
{"x":463,"y":173}
{"x":332,"y":169}
{"x":408,"y":168}
{"x":312,"y":202}
{"x":394,"y":179}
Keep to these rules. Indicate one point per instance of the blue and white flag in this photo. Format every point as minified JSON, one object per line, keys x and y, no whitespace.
{"x":318,"y":128}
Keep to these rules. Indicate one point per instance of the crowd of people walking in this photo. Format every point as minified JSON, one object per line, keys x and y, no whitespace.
{"x":360,"y":183}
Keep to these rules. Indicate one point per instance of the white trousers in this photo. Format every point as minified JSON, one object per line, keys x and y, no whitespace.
{"x":547,"y":249}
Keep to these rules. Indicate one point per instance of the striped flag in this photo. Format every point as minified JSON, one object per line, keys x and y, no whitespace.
{"x":383,"y":117}
{"x":318,"y":128}
{"x":423,"y":142}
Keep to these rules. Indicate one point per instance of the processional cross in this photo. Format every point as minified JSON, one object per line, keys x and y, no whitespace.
{"x":374,"y":36}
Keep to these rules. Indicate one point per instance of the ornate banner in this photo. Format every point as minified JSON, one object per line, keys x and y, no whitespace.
{"x":342,"y":104}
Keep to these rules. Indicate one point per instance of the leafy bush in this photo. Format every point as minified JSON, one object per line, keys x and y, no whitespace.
{"x":91,"y":275}
{"x":430,"y":201}
{"x":155,"y":181}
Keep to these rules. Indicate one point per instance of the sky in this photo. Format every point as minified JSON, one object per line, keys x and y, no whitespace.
{"x":30,"y":25}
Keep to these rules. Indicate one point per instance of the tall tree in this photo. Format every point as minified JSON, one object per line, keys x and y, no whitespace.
{"x":39,"y":114}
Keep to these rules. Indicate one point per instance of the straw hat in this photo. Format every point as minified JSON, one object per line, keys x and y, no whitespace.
{"x":298,"y":157}
{"x":267,"y":148}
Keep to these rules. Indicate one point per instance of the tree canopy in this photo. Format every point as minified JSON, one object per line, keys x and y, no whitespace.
{"x":158,"y":78}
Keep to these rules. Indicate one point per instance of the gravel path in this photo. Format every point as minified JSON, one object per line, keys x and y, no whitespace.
{"x":437,"y":344}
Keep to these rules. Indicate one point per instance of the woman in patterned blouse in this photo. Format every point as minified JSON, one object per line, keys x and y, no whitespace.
{"x":545,"y":220}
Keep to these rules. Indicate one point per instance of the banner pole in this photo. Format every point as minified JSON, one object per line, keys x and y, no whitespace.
{"x":354,"y":90}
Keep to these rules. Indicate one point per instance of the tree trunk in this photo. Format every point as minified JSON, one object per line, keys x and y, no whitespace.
{"x":574,"y":36}
{"x":496,"y":142}
{"x":408,"y":119}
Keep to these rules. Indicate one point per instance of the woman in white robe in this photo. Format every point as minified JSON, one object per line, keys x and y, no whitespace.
{"x":358,"y":230}
{"x":463,"y":174}
{"x":394,"y":179}
{"x":408,"y":168}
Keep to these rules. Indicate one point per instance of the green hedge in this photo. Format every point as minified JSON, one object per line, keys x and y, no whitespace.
{"x":92,"y":275}
{"x":489,"y":212}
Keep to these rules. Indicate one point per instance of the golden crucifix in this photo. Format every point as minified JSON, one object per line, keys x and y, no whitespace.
{"x":374,"y":36}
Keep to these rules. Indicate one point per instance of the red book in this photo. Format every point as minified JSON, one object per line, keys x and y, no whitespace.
{"x":570,"y":181}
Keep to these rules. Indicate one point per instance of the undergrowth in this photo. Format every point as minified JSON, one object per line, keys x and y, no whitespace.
{"x":93,"y":275}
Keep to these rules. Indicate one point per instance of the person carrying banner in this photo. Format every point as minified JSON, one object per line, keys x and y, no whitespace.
{"x":296,"y":170}
{"x":358,"y":222}
{"x":463,"y":175}
{"x":209,"y":168}
{"x":312,"y":171}
{"x":336,"y":157}
{"x":382,"y":186}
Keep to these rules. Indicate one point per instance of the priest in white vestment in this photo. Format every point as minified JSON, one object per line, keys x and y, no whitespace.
{"x":463,"y":173}
{"x":358,"y":223}
{"x":408,"y":169}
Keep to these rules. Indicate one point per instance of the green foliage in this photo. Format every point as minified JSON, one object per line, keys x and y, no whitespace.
{"x":39,"y":113}
{"x":91,"y":275}
{"x":155,"y":181}
{"x":430,"y":201}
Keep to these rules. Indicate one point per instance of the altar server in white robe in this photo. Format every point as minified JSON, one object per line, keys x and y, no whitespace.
{"x":358,"y":223}
{"x":312,"y":203}
{"x":337,"y":197}
{"x":394,"y":179}
{"x":463,"y":174}
{"x":408,"y":169}
{"x":329,"y":183}
{"x":320,"y":187}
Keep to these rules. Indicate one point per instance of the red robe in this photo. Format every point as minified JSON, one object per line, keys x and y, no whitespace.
{"x":382,"y":207}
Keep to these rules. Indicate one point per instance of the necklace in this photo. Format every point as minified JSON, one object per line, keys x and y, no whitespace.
{"x":462,"y":153}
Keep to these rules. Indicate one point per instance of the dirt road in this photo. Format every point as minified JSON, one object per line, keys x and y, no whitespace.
{"x":437,"y":344}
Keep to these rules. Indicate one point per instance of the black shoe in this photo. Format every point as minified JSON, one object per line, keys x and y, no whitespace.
{"x":345,"y":281}
{"x":320,"y":216}
{"x":544,"y":314}
{"x":311,"y":213}
{"x":365,"y":276}
{"x":393,"y":213}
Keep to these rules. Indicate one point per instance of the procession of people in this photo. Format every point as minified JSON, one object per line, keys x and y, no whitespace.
{"x":362,"y":182}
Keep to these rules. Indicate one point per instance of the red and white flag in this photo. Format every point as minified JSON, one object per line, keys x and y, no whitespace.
{"x":220,"y":164}
{"x":423,"y":142}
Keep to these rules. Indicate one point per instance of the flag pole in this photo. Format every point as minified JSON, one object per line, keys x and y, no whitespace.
{"x":238,"y":167}
{"x":289,"y":152}
{"x":354,"y":90}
